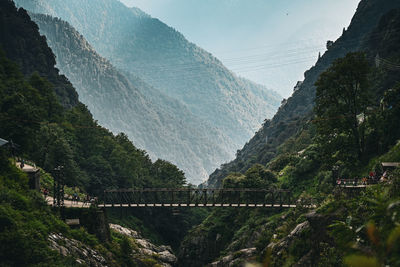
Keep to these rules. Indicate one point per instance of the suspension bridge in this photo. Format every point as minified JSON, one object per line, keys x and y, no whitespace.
{"x":188,"y":197}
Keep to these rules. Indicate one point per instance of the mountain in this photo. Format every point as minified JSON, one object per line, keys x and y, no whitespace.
{"x":49,"y":134}
{"x":297,"y":109}
{"x":337,"y":232}
{"x":24,"y":53}
{"x":162,"y":57}
{"x":161,"y":125}
{"x":92,"y":159}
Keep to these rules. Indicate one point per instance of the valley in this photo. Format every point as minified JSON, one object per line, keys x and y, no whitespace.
{"x":127,"y":132}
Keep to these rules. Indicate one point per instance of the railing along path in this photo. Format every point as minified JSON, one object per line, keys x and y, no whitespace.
{"x":187,"y":197}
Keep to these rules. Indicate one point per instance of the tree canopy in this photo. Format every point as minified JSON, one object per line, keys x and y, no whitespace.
{"x":341,"y":104}
{"x":93,"y":158}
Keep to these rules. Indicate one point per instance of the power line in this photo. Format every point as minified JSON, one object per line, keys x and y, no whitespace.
{"x":175,"y":62}
{"x":199,"y":70}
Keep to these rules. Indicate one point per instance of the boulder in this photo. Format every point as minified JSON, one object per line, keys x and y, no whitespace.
{"x":233,"y":259}
{"x":82,"y":253}
{"x":163,"y":254}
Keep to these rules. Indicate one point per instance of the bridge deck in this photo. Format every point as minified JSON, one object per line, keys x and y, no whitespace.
{"x":69,"y":203}
{"x":188,"y":197}
{"x":353,"y":186}
{"x":198,"y":205}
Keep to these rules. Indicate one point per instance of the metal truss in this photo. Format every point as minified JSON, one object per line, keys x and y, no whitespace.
{"x":185,"y":197}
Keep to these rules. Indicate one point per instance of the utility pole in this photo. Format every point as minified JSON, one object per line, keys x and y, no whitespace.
{"x":13,"y":148}
{"x":335,"y":174}
{"x":58,"y":187}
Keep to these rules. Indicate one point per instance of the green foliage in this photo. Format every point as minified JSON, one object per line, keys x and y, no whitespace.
{"x":125,"y":252}
{"x":356,"y":121}
{"x":233,"y":180}
{"x":383,"y":130}
{"x":82,"y":235}
{"x":361,"y":261}
{"x":162,"y":125}
{"x":92,"y":157}
{"x":51,"y":135}
{"x":160,"y":226}
{"x":29,"y":49}
{"x":342,"y":98}
{"x":25,"y":223}
{"x":281,"y":161}
{"x":256,"y":177}
{"x":168,"y":175}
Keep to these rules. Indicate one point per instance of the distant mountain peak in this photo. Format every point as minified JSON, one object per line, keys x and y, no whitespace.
{"x":163,"y":58}
{"x":139,"y":13}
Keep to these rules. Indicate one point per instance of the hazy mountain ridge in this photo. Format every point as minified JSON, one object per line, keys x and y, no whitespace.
{"x":298,"y":108}
{"x":162,"y":57}
{"x":157,"y":123}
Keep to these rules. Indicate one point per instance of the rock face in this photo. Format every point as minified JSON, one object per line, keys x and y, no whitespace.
{"x":199,"y":249}
{"x":82,"y":253}
{"x":278,"y":247}
{"x":145,"y":249}
{"x":236,"y":258}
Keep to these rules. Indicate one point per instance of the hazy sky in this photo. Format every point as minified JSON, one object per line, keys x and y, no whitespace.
{"x":271,"y":42}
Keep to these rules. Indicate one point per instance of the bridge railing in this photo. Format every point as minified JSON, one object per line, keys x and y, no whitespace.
{"x":239,"y":197}
{"x":355,"y":182}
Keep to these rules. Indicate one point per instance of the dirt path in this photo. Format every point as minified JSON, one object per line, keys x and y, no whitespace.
{"x":69,"y":203}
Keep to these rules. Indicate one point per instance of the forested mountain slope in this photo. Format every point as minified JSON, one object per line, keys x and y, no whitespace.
{"x":91,"y":159}
{"x":353,"y":130}
{"x":162,"y":57}
{"x":33,"y":56}
{"x":297,"y":109}
{"x":161,"y":125}
{"x":51,"y":135}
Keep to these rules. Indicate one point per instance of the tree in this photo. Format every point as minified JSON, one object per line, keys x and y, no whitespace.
{"x":342,"y":98}
{"x":165,"y":174}
{"x":390,"y":114}
{"x":256,"y":177}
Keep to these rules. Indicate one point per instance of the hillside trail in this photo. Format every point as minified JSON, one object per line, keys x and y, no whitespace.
{"x":69,"y":203}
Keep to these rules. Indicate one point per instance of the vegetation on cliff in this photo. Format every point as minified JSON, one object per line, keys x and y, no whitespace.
{"x":231,"y":108}
{"x":155,"y":122}
{"x":353,"y":127}
{"x":365,"y":33}
{"x":52,"y":134}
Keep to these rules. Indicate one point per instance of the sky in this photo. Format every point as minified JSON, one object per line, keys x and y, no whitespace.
{"x":271,"y":42}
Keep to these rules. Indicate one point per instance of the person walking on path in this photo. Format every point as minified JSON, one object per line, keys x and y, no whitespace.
{"x":45,"y":193}
{"x":75,"y":198}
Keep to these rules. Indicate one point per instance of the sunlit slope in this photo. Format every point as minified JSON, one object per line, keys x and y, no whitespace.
{"x":161,"y":125}
{"x":162,"y":57}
